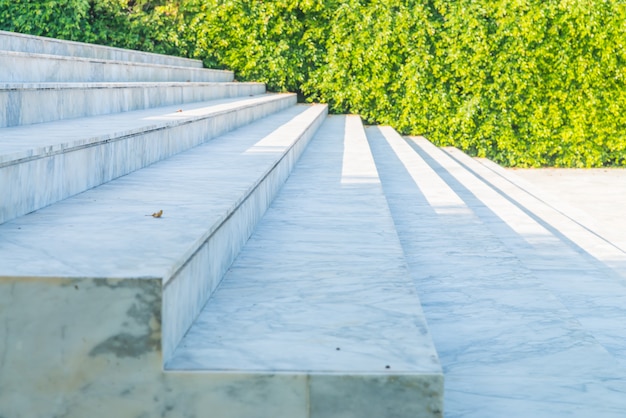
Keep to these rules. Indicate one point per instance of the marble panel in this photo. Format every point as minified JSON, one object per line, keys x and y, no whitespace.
{"x":41,"y":68}
{"x":324,"y":294}
{"x":91,"y":347}
{"x":63,"y":339}
{"x":374,"y":396}
{"x":18,"y":42}
{"x":46,"y":163}
{"x":188,"y":289}
{"x":522,"y":349}
{"x":44,"y":102}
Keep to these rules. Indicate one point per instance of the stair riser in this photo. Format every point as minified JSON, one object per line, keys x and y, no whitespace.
{"x":10,"y":41}
{"x":55,"y":355}
{"x":84,"y":370}
{"x":36,"y":104}
{"x":28,"y":185}
{"x":58,"y":362}
{"x":189,"y":289}
{"x":33,"y":68}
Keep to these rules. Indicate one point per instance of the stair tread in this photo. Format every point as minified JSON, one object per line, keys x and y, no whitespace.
{"x":196,"y":190}
{"x":105,"y":61}
{"x":13,"y":41}
{"x":112,"y":84}
{"x":322,"y":285}
{"x":520,"y":338}
{"x":34,"y":67}
{"x":40,"y":140}
{"x":582,"y":268}
{"x":30,"y":103}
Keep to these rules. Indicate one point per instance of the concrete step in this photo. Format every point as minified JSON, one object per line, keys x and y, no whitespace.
{"x":44,"y":163}
{"x":96,"y":293}
{"x":510,"y":341}
{"x":28,"y":103}
{"x":318,"y":309}
{"x":11,"y":41}
{"x":23,"y":67}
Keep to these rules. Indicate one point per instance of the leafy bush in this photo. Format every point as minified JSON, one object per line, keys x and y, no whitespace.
{"x":152,"y":26}
{"x":523,"y":82}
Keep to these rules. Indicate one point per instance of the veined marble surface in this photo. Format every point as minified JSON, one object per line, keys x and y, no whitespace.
{"x":322,"y":289}
{"x":44,"y":163}
{"x":11,"y":41}
{"x":28,"y":103}
{"x":572,"y":260}
{"x":585,"y":205}
{"x":511,"y":342}
{"x":29,"y":67}
{"x":211,"y":197}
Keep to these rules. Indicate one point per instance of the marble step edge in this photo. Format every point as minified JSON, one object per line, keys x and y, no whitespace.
{"x":422,"y":380}
{"x":154,"y":294}
{"x":248,"y":210}
{"x":18,"y":42}
{"x":39,"y":176}
{"x":580,"y":269}
{"x":28,"y":67}
{"x":46,"y":102}
{"x":547,"y":211}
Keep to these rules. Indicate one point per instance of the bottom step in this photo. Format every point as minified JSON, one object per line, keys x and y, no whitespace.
{"x":318,"y":308}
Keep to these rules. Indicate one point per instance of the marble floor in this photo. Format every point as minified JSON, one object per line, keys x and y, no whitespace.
{"x":322,"y":289}
{"x":526,"y":323}
{"x":599,"y":193}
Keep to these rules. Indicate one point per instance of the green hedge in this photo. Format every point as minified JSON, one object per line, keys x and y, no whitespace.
{"x":523,"y":82}
{"x":153,"y":26}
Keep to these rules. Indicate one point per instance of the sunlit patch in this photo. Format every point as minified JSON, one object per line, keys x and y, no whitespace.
{"x":358,"y":165}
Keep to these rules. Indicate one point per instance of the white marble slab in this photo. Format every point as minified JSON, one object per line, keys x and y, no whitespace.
{"x":11,"y":41}
{"x":45,"y":163}
{"x":28,"y":103}
{"x":321,"y":289}
{"x":42,"y":68}
{"x":571,"y":259}
{"x":211,"y":196}
{"x":90,"y":348}
{"x":510,"y":344}
{"x":581,"y":232}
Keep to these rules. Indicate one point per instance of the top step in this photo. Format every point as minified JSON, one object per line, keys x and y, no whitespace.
{"x":26,"y":67}
{"x":17,"y":42}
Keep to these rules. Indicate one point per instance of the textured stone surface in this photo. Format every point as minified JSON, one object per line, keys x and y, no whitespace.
{"x":44,"y":163}
{"x":42,"y":68}
{"x":524,"y":323}
{"x":27,"y":103}
{"x":11,"y":41}
{"x":595,"y":198}
{"x":321,"y":289}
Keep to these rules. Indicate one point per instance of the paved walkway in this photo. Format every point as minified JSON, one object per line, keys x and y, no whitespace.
{"x":526,"y":324}
{"x":599,"y":195}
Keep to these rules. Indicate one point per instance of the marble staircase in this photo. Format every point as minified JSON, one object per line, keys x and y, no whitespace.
{"x":298,"y":264}
{"x":132,"y":208}
{"x":524,"y":301}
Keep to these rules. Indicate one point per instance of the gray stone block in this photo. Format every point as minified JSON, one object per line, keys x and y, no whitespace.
{"x":11,"y":41}
{"x":39,"y":68}
{"x":28,"y":103}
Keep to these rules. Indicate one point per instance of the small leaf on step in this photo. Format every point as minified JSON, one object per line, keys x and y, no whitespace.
{"x":157,"y":214}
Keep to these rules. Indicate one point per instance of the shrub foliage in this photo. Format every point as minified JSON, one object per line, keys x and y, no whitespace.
{"x":523,"y":82}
